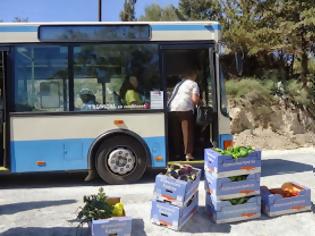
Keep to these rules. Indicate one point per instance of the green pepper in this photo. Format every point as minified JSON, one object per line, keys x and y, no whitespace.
{"x":235,"y":152}
{"x":243,"y":152}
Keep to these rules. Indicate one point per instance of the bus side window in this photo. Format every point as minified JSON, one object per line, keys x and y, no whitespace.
{"x":49,"y":95}
{"x":41,"y":78}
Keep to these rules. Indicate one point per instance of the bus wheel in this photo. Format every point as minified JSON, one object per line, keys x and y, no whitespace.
{"x":120,"y":160}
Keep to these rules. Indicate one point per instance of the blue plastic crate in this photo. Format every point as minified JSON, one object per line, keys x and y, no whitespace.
{"x":120,"y":226}
{"x":225,"y":188}
{"x":173,"y":217}
{"x":225,"y":166}
{"x":228,"y":213}
{"x":275,"y":204}
{"x":177,"y":192}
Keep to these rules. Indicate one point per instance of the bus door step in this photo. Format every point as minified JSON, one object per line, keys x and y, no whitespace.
{"x":192,"y":163}
{"x":3,"y":169}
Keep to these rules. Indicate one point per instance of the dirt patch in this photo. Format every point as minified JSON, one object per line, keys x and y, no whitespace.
{"x":270,"y":140}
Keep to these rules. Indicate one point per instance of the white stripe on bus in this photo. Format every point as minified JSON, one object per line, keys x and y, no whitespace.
{"x":84,"y":126}
{"x":18,"y":37}
{"x":184,"y":35}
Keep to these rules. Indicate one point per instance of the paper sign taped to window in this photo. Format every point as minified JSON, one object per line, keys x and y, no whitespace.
{"x":156,"y":98}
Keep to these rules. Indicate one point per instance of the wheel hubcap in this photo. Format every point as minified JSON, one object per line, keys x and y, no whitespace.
{"x":121,"y":161}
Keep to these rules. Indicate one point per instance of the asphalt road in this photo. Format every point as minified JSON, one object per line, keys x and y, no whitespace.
{"x":45,"y":205}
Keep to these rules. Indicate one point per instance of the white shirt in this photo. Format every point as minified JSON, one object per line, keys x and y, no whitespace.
{"x":183,"y":99}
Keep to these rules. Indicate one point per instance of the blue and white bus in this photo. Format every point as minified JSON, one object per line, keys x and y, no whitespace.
{"x":45,"y":68}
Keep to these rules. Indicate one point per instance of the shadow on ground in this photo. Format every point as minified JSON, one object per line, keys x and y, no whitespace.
{"x":13,"y":208}
{"x":42,"y":180}
{"x":53,"y":231}
{"x":137,"y":227}
{"x":281,"y":167}
{"x":201,"y":223}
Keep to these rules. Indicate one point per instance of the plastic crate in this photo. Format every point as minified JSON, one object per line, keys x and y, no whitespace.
{"x":226,"y":212}
{"x":119,"y":226}
{"x":225,"y":188}
{"x":177,"y":192}
{"x":275,"y":204}
{"x":173,"y":217}
{"x":225,"y":166}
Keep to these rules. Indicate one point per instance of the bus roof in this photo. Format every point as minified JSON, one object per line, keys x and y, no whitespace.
{"x":25,"y":32}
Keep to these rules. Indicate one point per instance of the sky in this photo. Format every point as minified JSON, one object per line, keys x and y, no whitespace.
{"x":69,"y":10}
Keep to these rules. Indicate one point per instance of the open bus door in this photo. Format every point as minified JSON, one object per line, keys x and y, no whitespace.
{"x":175,"y":58}
{"x":3,"y":73}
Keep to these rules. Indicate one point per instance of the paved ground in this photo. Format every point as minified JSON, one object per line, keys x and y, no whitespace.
{"x":45,"y":205}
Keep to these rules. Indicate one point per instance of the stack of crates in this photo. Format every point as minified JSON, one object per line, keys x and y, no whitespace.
{"x":175,"y":201}
{"x":232,"y":186}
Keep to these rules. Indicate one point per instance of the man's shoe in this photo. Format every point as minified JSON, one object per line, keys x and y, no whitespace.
{"x":91,"y":175}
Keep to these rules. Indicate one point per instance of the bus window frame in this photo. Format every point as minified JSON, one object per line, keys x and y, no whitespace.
{"x":195,"y":44}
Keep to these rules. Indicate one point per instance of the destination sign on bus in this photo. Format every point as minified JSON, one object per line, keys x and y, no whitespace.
{"x":92,"y":33}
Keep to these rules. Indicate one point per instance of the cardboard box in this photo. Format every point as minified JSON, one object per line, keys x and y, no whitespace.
{"x":120,"y":226}
{"x":221,"y":205}
{"x":276,"y":204}
{"x":177,"y":192}
{"x":225,"y":188}
{"x":226,"y":212}
{"x":225,"y":166}
{"x":173,"y":217}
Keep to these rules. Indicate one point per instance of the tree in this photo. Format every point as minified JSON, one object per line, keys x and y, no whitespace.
{"x":128,"y":13}
{"x":155,"y":12}
{"x":295,"y":27}
{"x":200,"y":9}
{"x":240,"y":20}
{"x":20,"y":19}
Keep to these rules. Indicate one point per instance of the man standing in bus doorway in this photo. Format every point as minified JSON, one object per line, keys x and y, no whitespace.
{"x":185,"y":96}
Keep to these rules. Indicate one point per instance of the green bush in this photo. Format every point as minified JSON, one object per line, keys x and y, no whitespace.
{"x":250,"y":88}
{"x":297,"y":93}
{"x":271,"y":74}
{"x":311,"y":66}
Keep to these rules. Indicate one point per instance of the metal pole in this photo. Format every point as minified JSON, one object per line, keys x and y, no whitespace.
{"x":99,"y":10}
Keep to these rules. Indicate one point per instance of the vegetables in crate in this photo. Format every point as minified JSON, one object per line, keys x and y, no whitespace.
{"x":118,"y":209}
{"x":235,"y":152}
{"x":238,"y":201}
{"x":287,"y":190}
{"x":99,"y":206}
{"x":238,"y":178}
{"x":290,"y":189}
{"x":182,"y":172}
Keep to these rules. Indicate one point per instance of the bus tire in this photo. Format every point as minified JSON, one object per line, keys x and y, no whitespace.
{"x":113,"y":157}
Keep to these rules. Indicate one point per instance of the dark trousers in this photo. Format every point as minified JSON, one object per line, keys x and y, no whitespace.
{"x":181,"y":130}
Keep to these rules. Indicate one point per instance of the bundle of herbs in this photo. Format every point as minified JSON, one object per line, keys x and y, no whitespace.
{"x":98,"y":206}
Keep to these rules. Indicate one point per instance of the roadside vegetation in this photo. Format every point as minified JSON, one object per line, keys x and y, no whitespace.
{"x":274,"y":42}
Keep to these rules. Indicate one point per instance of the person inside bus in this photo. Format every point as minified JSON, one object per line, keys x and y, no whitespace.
{"x":184,"y":98}
{"x":88,"y":99}
{"x":130,"y":93}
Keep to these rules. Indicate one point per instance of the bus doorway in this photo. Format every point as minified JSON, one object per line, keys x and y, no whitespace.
{"x":3,"y":162}
{"x":176,"y":60}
